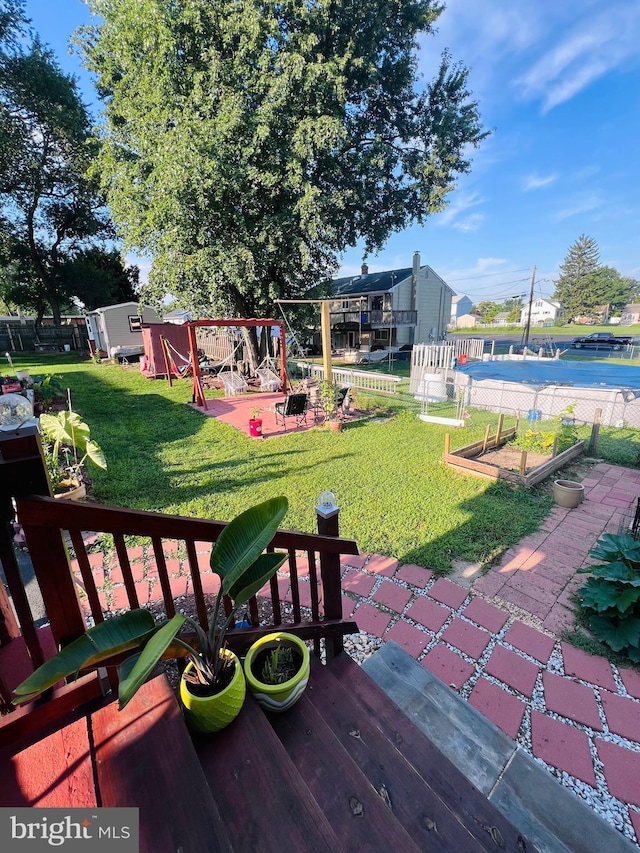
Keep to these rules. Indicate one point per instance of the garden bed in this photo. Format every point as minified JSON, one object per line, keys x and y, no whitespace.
{"x":490,"y":459}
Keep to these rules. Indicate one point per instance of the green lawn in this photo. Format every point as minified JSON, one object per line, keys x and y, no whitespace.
{"x":396,"y":496}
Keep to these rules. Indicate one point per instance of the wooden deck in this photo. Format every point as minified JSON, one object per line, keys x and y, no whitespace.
{"x":344,"y":770}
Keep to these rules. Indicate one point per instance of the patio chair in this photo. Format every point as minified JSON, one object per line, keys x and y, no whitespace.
{"x":294,"y":406}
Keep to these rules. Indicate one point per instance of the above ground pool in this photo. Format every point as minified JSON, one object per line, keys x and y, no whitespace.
{"x":594,"y":374}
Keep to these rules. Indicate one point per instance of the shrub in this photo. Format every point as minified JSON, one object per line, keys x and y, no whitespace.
{"x":611,"y":597}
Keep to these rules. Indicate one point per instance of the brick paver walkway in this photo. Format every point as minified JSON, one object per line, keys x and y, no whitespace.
{"x":578,"y":714}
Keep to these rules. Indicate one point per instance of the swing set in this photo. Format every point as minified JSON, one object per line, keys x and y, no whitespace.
{"x":234,"y":383}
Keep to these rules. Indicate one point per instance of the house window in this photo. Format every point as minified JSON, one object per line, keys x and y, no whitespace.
{"x":381,"y":334}
{"x":376,"y":303}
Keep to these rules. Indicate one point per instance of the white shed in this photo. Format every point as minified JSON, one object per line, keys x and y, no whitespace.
{"x":117,"y":329}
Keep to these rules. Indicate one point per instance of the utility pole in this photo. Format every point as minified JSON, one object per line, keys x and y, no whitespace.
{"x":528,"y":326}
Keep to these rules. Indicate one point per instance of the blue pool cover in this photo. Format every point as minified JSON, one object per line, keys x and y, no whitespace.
{"x":550,"y":372}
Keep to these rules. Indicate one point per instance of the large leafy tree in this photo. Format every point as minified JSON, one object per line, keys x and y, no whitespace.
{"x":50,"y":210}
{"x":585,"y":285}
{"x":246,"y":144}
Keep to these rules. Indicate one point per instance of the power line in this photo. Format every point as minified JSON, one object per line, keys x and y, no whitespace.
{"x":488,"y":275}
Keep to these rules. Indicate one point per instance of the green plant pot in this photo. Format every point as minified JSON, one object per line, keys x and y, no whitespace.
{"x":211,"y":713}
{"x":276,"y":697}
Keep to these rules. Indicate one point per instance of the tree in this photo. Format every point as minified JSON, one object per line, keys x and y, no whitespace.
{"x":585,"y":284}
{"x":576,"y":287}
{"x":486,"y":309}
{"x":246,"y":145}
{"x":50,"y":210}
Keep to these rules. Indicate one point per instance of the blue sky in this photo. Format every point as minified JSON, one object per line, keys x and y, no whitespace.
{"x":560,"y":83}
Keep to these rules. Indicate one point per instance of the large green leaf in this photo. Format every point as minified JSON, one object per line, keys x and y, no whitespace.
{"x":153,"y":651}
{"x":599,"y":595}
{"x":67,"y":428}
{"x":612,"y":547}
{"x":255,"y":577}
{"x":245,"y":538}
{"x":617,"y":633}
{"x":112,"y":637}
{"x":616,"y":571}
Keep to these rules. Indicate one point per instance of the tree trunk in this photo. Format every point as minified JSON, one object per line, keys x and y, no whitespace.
{"x":250,"y":337}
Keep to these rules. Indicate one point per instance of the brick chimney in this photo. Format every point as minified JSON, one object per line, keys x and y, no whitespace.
{"x":365,"y":269}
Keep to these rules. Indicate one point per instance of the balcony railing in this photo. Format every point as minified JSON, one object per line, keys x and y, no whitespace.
{"x":375,"y":319}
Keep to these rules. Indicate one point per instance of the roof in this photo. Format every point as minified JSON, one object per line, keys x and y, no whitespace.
{"x":457,"y":297}
{"x":374,"y":282}
{"x":119,"y":305}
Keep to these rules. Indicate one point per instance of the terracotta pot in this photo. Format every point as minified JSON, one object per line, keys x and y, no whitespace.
{"x":78,"y":493}
{"x":568,"y":493}
{"x":334,"y":426}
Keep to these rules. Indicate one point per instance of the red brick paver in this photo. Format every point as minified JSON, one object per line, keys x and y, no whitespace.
{"x":528,"y":640}
{"x":500,"y":707}
{"x":621,"y":769}
{"x":393,"y":596}
{"x":513,"y":670}
{"x":562,"y":746}
{"x":428,"y":613}
{"x":371,"y":620}
{"x":631,"y":680}
{"x":447,"y":666}
{"x":359,"y":583}
{"x":466,"y":637}
{"x":485,"y":615}
{"x":571,"y":699}
{"x":623,"y":715}
{"x":380,"y":565}
{"x":448,"y":593}
{"x":415,"y":575}
{"x":591,"y":668}
{"x":412,"y":639}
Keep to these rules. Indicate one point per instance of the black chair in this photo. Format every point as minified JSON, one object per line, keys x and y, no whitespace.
{"x":341,"y":398}
{"x":294,"y":406}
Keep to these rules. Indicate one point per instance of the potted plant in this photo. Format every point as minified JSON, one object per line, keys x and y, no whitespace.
{"x":65,"y":433}
{"x":277,"y":670}
{"x":255,"y":423}
{"x":328,"y":392}
{"x":212,"y":687}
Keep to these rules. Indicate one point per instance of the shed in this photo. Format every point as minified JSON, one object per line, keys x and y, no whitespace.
{"x":153,"y":365}
{"x":116,"y":330}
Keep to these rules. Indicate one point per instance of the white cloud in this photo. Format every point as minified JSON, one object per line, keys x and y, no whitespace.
{"x":598,"y":44}
{"x":579,"y":204}
{"x":455,"y":213}
{"x":536,"y":182}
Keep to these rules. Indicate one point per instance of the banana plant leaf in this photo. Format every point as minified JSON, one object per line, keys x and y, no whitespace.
{"x":102,"y":642}
{"x":255,"y":577}
{"x":153,"y":651}
{"x":245,"y":538}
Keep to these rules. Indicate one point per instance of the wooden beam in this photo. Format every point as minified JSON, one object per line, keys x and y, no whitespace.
{"x":325,"y":319}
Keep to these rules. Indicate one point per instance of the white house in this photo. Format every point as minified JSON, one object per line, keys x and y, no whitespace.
{"x":460,"y":304}
{"x":390,"y":309}
{"x":542,"y":311}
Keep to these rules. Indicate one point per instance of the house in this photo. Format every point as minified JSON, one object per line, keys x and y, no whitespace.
{"x":389,"y":309}
{"x":460,"y":305}
{"x":501,"y":319}
{"x":542,"y":311}
{"x":116,"y":330}
{"x":630,"y":314}
{"x":468,"y":321}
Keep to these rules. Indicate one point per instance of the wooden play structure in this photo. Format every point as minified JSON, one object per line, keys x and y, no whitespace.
{"x":153,"y":364}
{"x":232,"y":381}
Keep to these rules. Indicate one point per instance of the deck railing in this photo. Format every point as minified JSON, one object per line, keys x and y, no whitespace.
{"x":312,"y":586}
{"x":367,"y":380}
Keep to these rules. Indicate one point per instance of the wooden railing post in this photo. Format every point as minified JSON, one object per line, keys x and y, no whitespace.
{"x":327,"y":515}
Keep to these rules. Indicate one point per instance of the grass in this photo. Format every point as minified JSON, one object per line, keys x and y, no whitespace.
{"x":396,"y":496}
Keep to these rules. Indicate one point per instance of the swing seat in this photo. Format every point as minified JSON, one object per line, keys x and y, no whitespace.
{"x":233,"y":383}
{"x":269,"y":381}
